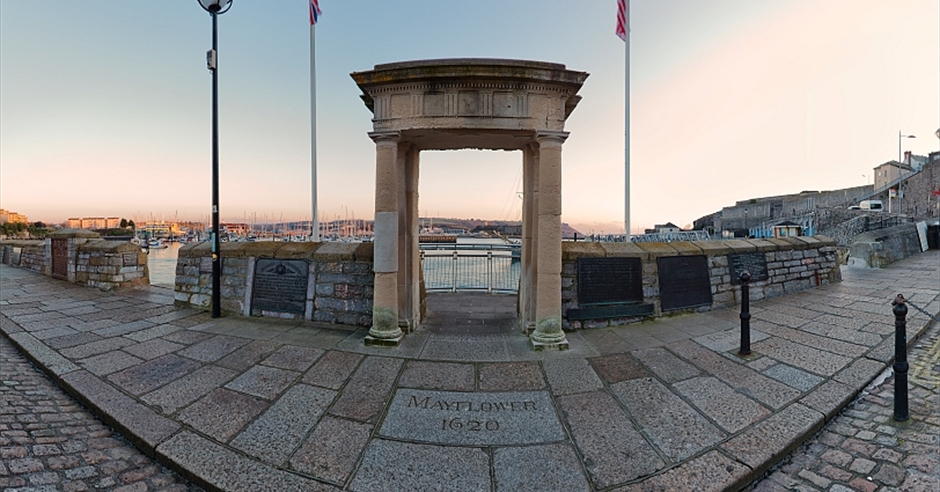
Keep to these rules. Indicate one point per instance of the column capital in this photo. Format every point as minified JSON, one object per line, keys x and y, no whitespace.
{"x":387,"y":136}
{"x":544,"y":136}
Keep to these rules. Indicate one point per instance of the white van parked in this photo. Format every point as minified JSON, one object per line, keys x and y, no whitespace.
{"x":871,"y":205}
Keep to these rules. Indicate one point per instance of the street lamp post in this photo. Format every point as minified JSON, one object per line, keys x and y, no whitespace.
{"x":900,"y":170}
{"x":215,"y":7}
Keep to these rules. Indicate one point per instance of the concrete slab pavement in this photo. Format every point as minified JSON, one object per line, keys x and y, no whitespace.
{"x":255,"y":404}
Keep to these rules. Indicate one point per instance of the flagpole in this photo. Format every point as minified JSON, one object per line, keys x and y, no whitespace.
{"x":315,"y":223}
{"x":626,"y":127}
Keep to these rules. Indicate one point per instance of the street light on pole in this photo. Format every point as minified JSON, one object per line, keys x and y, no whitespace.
{"x":215,"y":7}
{"x":900,"y":170}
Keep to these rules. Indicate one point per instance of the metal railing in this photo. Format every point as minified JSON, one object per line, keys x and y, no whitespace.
{"x":471,"y":268}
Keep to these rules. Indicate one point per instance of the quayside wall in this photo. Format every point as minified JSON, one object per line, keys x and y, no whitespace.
{"x":603,"y":284}
{"x":80,"y":256}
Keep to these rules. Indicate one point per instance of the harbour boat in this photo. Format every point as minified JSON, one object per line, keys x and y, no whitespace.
{"x":156,"y":244}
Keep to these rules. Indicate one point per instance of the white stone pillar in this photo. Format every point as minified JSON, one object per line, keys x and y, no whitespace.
{"x":409,"y":261}
{"x":527,"y":283}
{"x":548,"y":334}
{"x":385,"y":330}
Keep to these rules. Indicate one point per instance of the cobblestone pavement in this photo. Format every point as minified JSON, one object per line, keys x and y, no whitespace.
{"x":48,"y":442}
{"x":864,"y":449}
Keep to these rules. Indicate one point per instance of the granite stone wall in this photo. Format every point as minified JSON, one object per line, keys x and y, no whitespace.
{"x":92,"y":262}
{"x":28,"y":254}
{"x":793,"y":264}
{"x":339,"y":279}
{"x":879,"y":248}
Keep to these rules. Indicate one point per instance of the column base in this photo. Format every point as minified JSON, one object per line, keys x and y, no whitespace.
{"x":371,"y":341}
{"x":546,"y":346}
{"x":527,"y":327}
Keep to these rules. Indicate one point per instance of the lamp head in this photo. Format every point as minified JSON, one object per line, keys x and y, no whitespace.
{"x":215,"y":6}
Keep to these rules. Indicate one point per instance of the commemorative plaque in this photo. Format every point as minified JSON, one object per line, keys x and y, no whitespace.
{"x":753,"y":263}
{"x":474,"y":419}
{"x":684,"y":282}
{"x":609,"y":280}
{"x":279,"y":286}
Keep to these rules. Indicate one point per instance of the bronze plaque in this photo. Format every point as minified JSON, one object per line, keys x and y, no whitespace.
{"x":684,"y":282}
{"x":753,"y":263}
{"x":279,"y":286}
{"x":609,"y":280}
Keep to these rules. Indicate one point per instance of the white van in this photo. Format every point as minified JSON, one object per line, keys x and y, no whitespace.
{"x":871,"y":205}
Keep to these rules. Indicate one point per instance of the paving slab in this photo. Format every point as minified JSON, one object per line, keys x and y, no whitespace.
{"x":395,"y":466}
{"x":279,"y":431}
{"x":263,"y":382}
{"x":677,"y":429}
{"x":566,"y":376}
{"x":614,"y":368}
{"x":368,"y":390}
{"x":666,"y":366}
{"x":510,"y":376}
{"x":711,"y":472}
{"x":152,"y":374}
{"x":731,"y":410}
{"x":613,"y":451}
{"x":222,"y":413}
{"x":332,"y":450}
{"x":774,"y":437}
{"x":143,"y":426}
{"x":187,"y":389}
{"x":793,"y":377}
{"x":333,"y":369}
{"x":224,"y":469}
{"x":767,"y":391}
{"x":438,"y":376}
{"x":538,"y":468}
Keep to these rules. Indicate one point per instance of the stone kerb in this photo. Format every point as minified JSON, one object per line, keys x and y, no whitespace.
{"x":792,"y":265}
{"x":339,"y":286}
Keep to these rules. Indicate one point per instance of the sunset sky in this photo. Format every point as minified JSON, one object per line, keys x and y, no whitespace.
{"x":105,"y":106}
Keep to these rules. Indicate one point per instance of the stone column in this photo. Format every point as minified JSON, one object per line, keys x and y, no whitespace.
{"x":548,"y":334}
{"x":527,"y":283}
{"x":385,"y":330}
{"x":409,"y":295}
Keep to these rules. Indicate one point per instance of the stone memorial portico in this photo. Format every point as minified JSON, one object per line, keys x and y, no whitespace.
{"x":467,"y":104}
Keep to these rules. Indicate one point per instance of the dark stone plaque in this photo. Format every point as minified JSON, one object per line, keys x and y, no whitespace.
{"x":684,"y":282}
{"x":609,"y":280}
{"x":753,"y":263}
{"x":279,"y":286}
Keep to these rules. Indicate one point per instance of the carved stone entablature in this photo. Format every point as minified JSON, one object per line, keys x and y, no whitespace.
{"x":470,"y":95}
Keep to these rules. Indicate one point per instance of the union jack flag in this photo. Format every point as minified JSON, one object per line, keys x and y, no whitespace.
{"x":621,"y":19}
{"x":314,"y":12}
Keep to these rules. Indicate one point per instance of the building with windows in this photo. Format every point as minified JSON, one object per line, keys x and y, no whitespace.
{"x":94,"y":223}
{"x":13,"y":217}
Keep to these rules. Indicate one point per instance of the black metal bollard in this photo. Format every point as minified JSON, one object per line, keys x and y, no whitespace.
{"x":901,"y":412}
{"x":745,"y":314}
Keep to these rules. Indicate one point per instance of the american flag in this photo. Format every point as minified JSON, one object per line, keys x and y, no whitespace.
{"x":621,"y":19}
{"x":314,"y":12}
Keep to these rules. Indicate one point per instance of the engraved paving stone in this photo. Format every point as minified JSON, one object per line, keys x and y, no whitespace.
{"x":446,"y":417}
{"x":280,"y":286}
